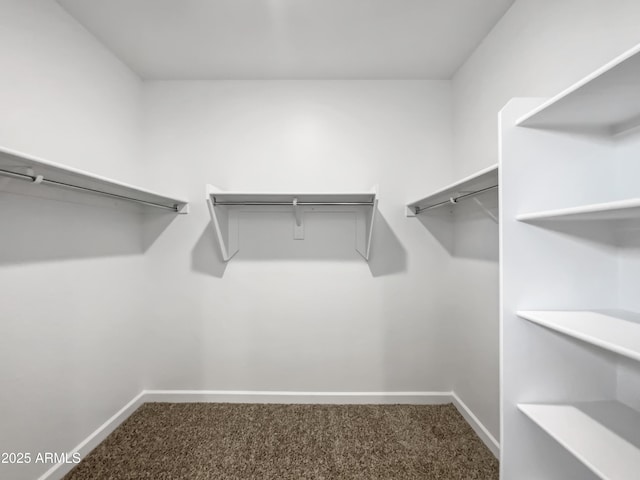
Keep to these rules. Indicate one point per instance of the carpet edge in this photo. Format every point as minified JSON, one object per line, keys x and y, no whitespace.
{"x":483,"y":432}
{"x":58,"y":471}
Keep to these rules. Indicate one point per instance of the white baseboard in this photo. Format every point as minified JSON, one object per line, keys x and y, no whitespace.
{"x":482,"y":431}
{"x":59,"y":470}
{"x":241,"y":396}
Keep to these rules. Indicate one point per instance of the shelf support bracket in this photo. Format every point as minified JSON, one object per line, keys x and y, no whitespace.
{"x":298,"y":229}
{"x":486,"y":210}
{"x":364,"y":226}
{"x":182,"y":210}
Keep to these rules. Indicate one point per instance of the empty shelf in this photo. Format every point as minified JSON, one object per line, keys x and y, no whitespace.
{"x":484,"y":180}
{"x":608,"y":100}
{"x":36,"y":170}
{"x":602,"y":435}
{"x":618,"y":210}
{"x":270,"y":199}
{"x":614,"y":330}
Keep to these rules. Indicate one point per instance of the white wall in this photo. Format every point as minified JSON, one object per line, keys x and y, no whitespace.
{"x":306,"y":315}
{"x":70,"y":271}
{"x":538,"y":48}
{"x":282,"y":315}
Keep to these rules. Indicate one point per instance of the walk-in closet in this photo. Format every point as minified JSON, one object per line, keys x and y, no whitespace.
{"x":319,"y":239}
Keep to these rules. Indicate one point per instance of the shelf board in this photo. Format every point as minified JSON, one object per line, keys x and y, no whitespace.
{"x":608,"y":100}
{"x":614,"y":330}
{"x":481,"y":180}
{"x":80,"y":180}
{"x":224,"y":207}
{"x":254,"y":197}
{"x":609,"y":211}
{"x":604,"y":436}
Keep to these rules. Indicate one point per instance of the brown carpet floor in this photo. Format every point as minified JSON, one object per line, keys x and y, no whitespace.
{"x":251,"y":441}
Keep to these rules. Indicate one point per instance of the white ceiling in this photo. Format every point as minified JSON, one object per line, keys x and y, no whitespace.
{"x":247,"y":39}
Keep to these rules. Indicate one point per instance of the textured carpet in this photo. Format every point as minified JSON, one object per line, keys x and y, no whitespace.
{"x":250,"y":441}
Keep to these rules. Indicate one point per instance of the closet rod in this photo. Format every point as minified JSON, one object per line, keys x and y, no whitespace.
{"x":41,"y":179}
{"x":300,"y":204}
{"x":419,"y":209}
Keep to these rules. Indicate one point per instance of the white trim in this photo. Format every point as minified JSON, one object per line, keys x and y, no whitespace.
{"x":59,"y":470}
{"x":482,"y":431}
{"x":251,"y":396}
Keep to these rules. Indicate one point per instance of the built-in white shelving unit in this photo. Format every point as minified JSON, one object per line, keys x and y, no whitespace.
{"x":225,"y":206}
{"x":485,"y":180}
{"x":616,"y":331}
{"x":20,"y":166}
{"x":570,"y":205}
{"x":604,"y":436}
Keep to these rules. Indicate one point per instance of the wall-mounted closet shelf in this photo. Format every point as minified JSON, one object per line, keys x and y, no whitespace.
{"x":608,"y":211}
{"x":614,"y":330}
{"x":606,"y":439}
{"x":225,"y":206}
{"x":483,"y":181}
{"x":17,"y":165}
{"x":607,"y":101}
